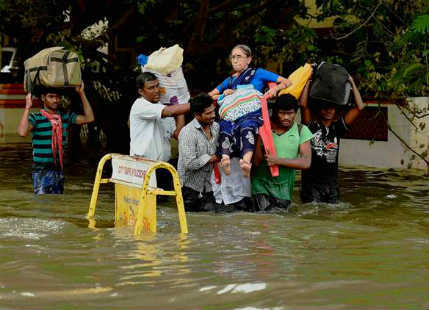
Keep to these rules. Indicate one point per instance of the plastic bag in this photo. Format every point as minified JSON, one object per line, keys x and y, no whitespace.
{"x":165,"y":60}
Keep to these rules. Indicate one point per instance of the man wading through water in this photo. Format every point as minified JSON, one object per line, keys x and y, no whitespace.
{"x":49,"y":129}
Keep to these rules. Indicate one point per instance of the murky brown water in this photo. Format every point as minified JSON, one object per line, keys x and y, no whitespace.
{"x":370,"y":252}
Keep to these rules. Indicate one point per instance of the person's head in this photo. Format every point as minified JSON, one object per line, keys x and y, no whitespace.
{"x":203,"y":109}
{"x":241,"y":56}
{"x":50,"y":97}
{"x":325,"y":110}
{"x":284,"y":110}
{"x":148,"y":87}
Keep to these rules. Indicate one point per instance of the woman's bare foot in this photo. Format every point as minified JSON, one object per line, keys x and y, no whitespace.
{"x":245,"y":168}
{"x":225,"y":164}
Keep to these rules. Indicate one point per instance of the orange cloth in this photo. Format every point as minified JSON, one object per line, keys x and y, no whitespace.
{"x":57,"y":135}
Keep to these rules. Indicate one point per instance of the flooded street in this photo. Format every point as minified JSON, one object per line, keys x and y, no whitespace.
{"x":369,"y":252}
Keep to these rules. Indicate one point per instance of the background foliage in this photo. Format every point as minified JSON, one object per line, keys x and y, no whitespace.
{"x":383,"y":44}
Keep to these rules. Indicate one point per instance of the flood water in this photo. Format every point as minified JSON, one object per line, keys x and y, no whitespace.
{"x":369,"y":252}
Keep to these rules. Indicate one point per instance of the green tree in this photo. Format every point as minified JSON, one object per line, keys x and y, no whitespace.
{"x":386,"y":43}
{"x":206,"y":29}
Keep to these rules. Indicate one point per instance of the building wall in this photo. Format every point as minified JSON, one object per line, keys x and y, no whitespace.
{"x":9,"y":120}
{"x":392,"y":153}
{"x":12,"y":104}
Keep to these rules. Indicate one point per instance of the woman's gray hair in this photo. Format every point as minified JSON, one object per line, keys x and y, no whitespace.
{"x":244,"y":48}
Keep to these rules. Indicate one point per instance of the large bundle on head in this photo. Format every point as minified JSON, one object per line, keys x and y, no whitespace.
{"x":330,"y":85}
{"x":53,"y":67}
{"x":174,"y":85}
{"x":165,"y":60}
{"x":166,"y":64}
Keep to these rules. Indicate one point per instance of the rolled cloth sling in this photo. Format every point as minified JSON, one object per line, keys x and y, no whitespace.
{"x":57,"y":135}
{"x":265,"y":132}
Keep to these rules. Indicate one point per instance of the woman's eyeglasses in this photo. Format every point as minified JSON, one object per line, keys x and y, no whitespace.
{"x":238,"y":57}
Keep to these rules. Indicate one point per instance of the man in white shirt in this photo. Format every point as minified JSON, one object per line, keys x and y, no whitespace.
{"x":175,"y":92}
{"x":146,"y":130}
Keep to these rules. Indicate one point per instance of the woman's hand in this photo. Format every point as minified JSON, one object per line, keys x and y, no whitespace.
{"x":272,"y":92}
{"x":228,"y":91}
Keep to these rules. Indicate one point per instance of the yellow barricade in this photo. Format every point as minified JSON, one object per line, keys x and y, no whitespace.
{"x":136,"y":191}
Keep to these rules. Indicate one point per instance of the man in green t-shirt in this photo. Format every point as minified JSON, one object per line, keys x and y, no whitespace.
{"x":293,"y":148}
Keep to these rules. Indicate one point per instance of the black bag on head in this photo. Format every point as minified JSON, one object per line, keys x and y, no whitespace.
{"x":330,"y":86}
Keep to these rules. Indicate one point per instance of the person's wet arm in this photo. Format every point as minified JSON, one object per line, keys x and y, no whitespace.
{"x":180,"y":123}
{"x":302,"y":162}
{"x":353,"y":113}
{"x":283,"y":82}
{"x":258,"y":155}
{"x":214,"y":94}
{"x":221,"y":89}
{"x":173,"y":110}
{"x":24,"y":126}
{"x":303,"y":103}
{"x":88,"y":115}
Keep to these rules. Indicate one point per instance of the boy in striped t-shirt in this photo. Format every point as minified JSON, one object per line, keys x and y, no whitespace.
{"x":49,"y":129}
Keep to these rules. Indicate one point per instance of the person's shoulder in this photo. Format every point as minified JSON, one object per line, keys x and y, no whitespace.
{"x":36,"y":115}
{"x":66,"y":114}
{"x":340,"y":124}
{"x":263,"y":71}
{"x":313,"y":124}
{"x":186,"y":131}
{"x":305,"y":129}
{"x":305,"y":133}
{"x":141,"y":103}
{"x":266,"y":75}
{"x":189,"y":126}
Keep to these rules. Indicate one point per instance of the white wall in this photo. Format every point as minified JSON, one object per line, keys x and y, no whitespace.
{"x":392,"y":153}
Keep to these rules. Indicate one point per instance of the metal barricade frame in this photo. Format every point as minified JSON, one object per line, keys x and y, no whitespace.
{"x":146,"y":206}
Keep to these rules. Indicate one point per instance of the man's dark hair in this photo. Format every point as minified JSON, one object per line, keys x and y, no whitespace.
{"x":284,"y":102}
{"x":200,"y":102}
{"x":143,"y":78}
{"x":318,"y":104}
{"x":40,"y":90}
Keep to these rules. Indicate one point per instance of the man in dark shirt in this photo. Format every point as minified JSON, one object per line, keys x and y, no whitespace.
{"x":319,"y":183}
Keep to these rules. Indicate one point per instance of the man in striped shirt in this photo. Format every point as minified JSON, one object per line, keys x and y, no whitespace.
{"x":49,"y":128}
